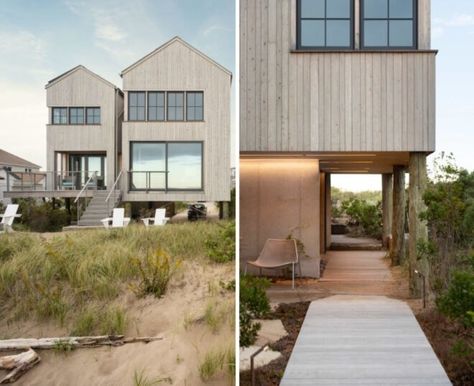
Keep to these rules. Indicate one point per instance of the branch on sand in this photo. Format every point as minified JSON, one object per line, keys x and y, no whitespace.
{"x":19,"y":364}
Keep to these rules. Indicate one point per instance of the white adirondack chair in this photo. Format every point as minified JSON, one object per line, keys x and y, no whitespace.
{"x":118,"y":219}
{"x":8,"y":217}
{"x":158,"y":220}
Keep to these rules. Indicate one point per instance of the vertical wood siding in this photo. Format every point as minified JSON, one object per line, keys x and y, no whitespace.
{"x":330,"y":101}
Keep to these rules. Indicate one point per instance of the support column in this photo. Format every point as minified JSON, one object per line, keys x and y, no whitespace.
{"x":397,"y":250}
{"x":387,"y":207}
{"x":327,"y":183}
{"x":417,"y":228}
{"x":322,"y":213}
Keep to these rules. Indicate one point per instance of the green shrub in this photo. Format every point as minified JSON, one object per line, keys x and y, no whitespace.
{"x":248,"y":328}
{"x":253,"y":295}
{"x":155,"y":272}
{"x":366,"y":215}
{"x":214,"y":362}
{"x":221,"y":246}
{"x":458,"y":301}
{"x":42,"y":217}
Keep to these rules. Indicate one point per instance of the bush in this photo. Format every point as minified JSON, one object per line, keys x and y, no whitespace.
{"x":221,"y":246}
{"x":366,"y":215}
{"x":458,"y":301}
{"x":42,"y":217}
{"x":155,"y":272}
{"x":253,"y":304}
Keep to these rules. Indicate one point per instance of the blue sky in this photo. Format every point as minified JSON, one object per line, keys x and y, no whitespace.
{"x":42,"y":39}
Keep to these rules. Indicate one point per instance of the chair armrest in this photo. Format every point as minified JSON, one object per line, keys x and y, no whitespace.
{"x":106,"y":221}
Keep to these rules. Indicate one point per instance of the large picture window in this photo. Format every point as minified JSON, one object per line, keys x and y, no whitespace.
{"x":166,"y":166}
{"x":76,"y":115}
{"x":388,"y":24}
{"x":136,"y":106}
{"x":325,"y":24}
{"x":194,"y":106}
{"x":156,"y":106}
{"x":175,"y":106}
{"x":59,"y":116}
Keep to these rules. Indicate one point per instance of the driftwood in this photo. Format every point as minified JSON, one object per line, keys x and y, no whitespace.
{"x":71,"y":342}
{"x":18,"y":364}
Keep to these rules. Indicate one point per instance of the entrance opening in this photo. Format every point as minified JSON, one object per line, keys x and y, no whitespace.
{"x":73,"y":170}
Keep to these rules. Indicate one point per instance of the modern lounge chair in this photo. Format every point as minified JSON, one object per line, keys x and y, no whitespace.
{"x":159,"y":218}
{"x":118,"y":219}
{"x":8,"y":217}
{"x":278,"y":253}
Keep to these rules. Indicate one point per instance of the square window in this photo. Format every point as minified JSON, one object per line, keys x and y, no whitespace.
{"x":337,"y":32}
{"x":338,"y":9}
{"x":375,"y":33}
{"x":401,"y":33}
{"x":313,"y":9}
{"x":312,"y":33}
{"x":401,"y":9}
{"x":375,"y":9}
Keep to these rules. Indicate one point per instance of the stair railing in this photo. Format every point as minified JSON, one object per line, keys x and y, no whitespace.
{"x":113,"y":193}
{"x":93,"y":177}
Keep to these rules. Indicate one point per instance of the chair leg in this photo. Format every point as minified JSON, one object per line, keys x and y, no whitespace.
{"x":293,"y":276}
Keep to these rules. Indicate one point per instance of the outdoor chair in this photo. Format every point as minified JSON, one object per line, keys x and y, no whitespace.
{"x":8,"y":217}
{"x":118,"y":219}
{"x":158,"y":220}
{"x":278,"y":253}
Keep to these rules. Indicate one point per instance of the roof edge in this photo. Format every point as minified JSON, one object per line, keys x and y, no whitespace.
{"x":64,"y":75}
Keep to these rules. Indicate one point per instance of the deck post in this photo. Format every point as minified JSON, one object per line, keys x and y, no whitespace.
{"x":328,"y":203}
{"x":397,"y":249}
{"x":417,"y":228}
{"x":387,"y":207}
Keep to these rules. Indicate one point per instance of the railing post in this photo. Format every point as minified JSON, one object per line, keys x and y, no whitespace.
{"x":8,"y":181}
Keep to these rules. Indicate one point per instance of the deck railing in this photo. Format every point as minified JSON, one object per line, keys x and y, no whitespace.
{"x":59,"y":180}
{"x":148,"y":180}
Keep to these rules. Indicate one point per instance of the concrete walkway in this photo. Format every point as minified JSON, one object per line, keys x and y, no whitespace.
{"x":362,"y":340}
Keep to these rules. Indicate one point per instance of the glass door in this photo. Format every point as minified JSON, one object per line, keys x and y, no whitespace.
{"x":84,"y":165}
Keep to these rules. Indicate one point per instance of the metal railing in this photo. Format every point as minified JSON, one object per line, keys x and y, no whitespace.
{"x":113,"y":192}
{"x":49,"y":180}
{"x":92,"y":181}
{"x":148,"y":180}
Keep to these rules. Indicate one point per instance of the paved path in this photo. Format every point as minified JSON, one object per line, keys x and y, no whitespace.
{"x":362,"y":340}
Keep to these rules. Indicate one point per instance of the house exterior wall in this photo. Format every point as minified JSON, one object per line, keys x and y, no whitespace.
{"x":279,"y":198}
{"x":82,"y":89}
{"x":358,"y":100}
{"x":179,"y":68}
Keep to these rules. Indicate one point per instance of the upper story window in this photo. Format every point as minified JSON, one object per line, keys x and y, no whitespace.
{"x":194,"y":106}
{"x":136,"y":106}
{"x":59,"y":115}
{"x":175,"y":106}
{"x":156,"y":106}
{"x":388,"y":24}
{"x":324,"y":24}
{"x":93,"y":115}
{"x":76,"y":115}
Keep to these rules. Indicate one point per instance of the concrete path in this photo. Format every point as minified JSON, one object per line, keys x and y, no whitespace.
{"x":362,"y":340}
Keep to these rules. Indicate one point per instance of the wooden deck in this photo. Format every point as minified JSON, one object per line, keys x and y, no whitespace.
{"x":362,"y":340}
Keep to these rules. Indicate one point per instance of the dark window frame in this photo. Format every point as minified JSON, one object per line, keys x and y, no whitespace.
{"x":59,"y":108}
{"x":86,"y":115}
{"x":302,"y":47}
{"x":166,"y":189}
{"x":388,"y":47}
{"x":186,"y":105}
{"x":167,"y":106}
{"x":145,"y":106}
{"x":83,"y":116}
{"x":165,"y":97}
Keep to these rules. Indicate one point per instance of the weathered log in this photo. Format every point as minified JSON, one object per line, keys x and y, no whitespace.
{"x":70,"y":341}
{"x":19,"y":364}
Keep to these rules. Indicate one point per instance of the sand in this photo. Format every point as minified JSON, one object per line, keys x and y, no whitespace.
{"x":177,"y":356}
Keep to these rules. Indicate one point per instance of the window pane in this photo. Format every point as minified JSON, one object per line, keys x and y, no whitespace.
{"x":132,"y":114}
{"x":190,"y":114}
{"x":375,"y":33}
{"x":141,"y":113}
{"x":198,"y":99}
{"x":338,"y":33}
{"x":152,"y":99}
{"x":141,"y":99}
{"x":171,"y":113}
{"x":375,"y":8}
{"x":401,"y":33}
{"x":312,"y":33}
{"x":338,"y":9}
{"x":175,"y":106}
{"x":148,"y":157}
{"x":312,"y":8}
{"x":190,"y":99}
{"x":160,"y":114}
{"x":132,"y":98}
{"x":198,"y":113}
{"x":185,"y":166}
{"x":152,"y":113}
{"x":401,"y":9}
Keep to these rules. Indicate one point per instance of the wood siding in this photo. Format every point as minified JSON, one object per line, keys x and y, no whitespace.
{"x":82,"y":89}
{"x":330,"y":101}
{"x":179,"y":68}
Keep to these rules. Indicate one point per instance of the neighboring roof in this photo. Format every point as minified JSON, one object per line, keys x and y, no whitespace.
{"x":77,"y":68}
{"x":9,"y":159}
{"x":168,"y":43}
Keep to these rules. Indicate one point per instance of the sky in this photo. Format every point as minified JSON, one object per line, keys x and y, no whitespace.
{"x":40,"y":40}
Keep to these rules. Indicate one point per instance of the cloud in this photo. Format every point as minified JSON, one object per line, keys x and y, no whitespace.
{"x":440,"y":25}
{"x":216,"y":29}
{"x":21,"y":41}
{"x":109,"y":31}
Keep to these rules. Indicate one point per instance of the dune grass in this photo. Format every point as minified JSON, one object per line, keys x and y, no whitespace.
{"x":215,"y":362}
{"x":75,"y":277}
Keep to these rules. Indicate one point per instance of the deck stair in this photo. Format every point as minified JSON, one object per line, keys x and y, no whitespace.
{"x":98,"y":208}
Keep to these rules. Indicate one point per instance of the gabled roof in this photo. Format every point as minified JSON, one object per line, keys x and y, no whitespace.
{"x":9,"y":159}
{"x":77,"y":68}
{"x":167,"y":44}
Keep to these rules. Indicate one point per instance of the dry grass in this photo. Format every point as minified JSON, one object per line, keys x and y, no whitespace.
{"x":74,"y":278}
